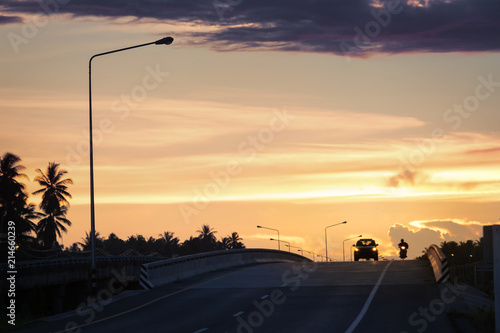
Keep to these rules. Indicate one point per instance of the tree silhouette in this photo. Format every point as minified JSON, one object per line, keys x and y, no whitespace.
{"x":51,"y":225}
{"x":87,"y":242}
{"x":12,"y":194}
{"x":169,"y":242}
{"x":54,"y":189}
{"x":235,"y":241}
{"x":54,"y":203}
{"x":26,"y":226}
{"x":225,"y":243}
{"x":205,"y":232}
{"x":207,"y":237}
{"x":114,"y":245}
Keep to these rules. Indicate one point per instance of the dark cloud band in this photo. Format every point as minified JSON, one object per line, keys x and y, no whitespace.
{"x":354,"y":28}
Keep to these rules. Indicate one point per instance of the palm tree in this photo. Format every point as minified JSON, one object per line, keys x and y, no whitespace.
{"x":12,"y":194}
{"x":26,"y":226}
{"x":206,"y":233}
{"x":54,"y":203}
{"x":225,"y":243}
{"x":54,"y":188}
{"x":234,"y":241}
{"x":51,"y":225}
{"x":207,"y":236}
{"x":168,"y":238}
{"x":86,"y":244}
{"x":171,"y":243}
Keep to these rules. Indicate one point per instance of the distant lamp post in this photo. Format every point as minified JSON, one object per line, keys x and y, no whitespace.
{"x":295,"y":247}
{"x":163,"y":41}
{"x":282,"y":241}
{"x":326,"y":238}
{"x":261,"y":227}
{"x":343,"y":244}
{"x":311,"y":253}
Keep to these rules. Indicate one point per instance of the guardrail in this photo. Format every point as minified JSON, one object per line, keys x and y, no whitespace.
{"x":162,"y":272}
{"x":20,"y":265}
{"x":439,"y":263}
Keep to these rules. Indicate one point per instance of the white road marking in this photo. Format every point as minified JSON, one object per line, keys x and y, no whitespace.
{"x":238,"y":313}
{"x":202,"y":330}
{"x":153,"y":301}
{"x":368,"y":301}
{"x":264,"y":297}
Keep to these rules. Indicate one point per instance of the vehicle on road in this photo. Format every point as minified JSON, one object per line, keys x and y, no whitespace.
{"x":365,"y":249}
{"x":402,"y":252}
{"x":403,"y":248}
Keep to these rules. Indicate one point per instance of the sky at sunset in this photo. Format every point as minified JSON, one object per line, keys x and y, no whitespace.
{"x":293,"y":115}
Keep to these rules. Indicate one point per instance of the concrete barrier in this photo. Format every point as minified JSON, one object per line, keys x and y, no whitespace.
{"x":439,"y":263}
{"x":162,"y":272}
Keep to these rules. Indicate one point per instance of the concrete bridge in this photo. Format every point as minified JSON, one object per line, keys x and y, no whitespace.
{"x":267,"y":291}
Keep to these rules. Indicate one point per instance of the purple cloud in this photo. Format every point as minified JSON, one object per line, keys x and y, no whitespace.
{"x":356,"y":28}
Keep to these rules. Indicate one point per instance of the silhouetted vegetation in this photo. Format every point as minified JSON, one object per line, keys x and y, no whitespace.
{"x":464,"y":258}
{"x":37,"y":232}
{"x":463,"y":252}
{"x":460,"y":253}
{"x":14,"y":206}
{"x":166,"y":245}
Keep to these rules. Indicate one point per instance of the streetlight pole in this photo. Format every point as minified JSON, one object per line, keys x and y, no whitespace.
{"x":282,"y":241}
{"x":343,"y":244}
{"x":296,"y":247}
{"x":311,"y":253}
{"x":326,"y":238}
{"x":274,"y":230}
{"x":163,"y":41}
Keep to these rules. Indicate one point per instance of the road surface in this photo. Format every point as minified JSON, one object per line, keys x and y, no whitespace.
{"x":364,"y":296}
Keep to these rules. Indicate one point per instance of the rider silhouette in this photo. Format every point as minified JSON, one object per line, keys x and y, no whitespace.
{"x":403,"y":243}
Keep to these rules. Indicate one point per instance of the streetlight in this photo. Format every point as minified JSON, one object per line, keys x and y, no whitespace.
{"x":312,"y":253}
{"x":296,"y":247}
{"x":274,"y":230}
{"x":163,"y":41}
{"x":282,"y":241}
{"x":326,"y":239}
{"x":343,"y":244}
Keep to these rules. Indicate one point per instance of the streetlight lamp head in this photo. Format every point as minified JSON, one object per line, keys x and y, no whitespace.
{"x":344,"y":222}
{"x":259,"y":226}
{"x":166,"y":41}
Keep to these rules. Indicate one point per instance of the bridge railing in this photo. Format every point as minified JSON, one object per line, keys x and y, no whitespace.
{"x":167,"y":271}
{"x":72,"y":261}
{"x":439,"y":263}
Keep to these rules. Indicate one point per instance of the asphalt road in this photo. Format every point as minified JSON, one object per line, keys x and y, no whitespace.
{"x":385,"y":296}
